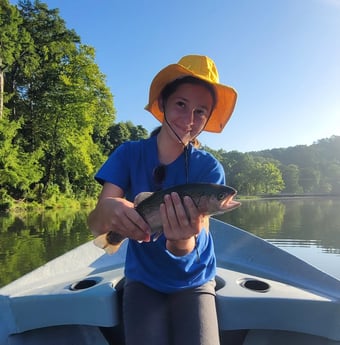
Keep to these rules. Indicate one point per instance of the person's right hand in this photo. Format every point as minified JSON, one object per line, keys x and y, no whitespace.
{"x":119,"y":215}
{"x":113,"y":212}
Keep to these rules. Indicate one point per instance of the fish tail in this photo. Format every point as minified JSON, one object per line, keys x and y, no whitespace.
{"x":112,"y":248}
{"x":102,"y":242}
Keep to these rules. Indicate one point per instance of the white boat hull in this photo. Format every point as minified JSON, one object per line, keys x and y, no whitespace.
{"x":262,"y":293}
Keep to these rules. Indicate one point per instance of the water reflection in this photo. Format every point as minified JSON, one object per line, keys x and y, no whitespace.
{"x":308,"y":228}
{"x":326,"y":259}
{"x":30,"y":240}
{"x":258,"y":217}
{"x":304,"y":219}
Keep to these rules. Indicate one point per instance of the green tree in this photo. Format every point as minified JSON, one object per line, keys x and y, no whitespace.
{"x":63,"y":101}
{"x":119,"y":133}
{"x":234,"y":163}
{"x":16,"y":52}
{"x":137,"y":132}
{"x":309,"y":179}
{"x":18,"y":169}
{"x":317,"y":165}
{"x":243,"y":173}
{"x":10,"y":20}
{"x":251,"y":174}
{"x":290,"y":175}
{"x":330,"y":180}
{"x":271,"y":178}
{"x":60,"y":114}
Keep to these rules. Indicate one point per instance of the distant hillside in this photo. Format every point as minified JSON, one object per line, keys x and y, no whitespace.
{"x":323,"y":151}
{"x":300,"y":169}
{"x":318,"y":164}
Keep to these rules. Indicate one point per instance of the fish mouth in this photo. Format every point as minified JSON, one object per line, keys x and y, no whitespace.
{"x":225,"y":202}
{"x":229,"y":203}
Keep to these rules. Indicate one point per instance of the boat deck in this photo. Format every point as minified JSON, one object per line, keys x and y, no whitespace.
{"x":277,"y":297}
{"x":89,"y":335}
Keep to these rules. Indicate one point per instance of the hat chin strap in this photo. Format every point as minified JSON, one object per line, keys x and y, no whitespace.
{"x":177,"y":136}
{"x":185,"y":147}
{"x":173,"y":131}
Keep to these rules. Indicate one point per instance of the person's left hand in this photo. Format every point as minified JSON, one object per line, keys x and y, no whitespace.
{"x":181,"y":223}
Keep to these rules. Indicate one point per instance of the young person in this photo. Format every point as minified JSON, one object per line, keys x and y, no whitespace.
{"x":169,"y":295}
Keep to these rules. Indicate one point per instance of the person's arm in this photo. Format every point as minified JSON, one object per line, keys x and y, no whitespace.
{"x":113,"y":212}
{"x":180,"y":228}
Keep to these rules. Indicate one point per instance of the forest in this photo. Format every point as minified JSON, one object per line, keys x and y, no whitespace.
{"x":302,"y":169}
{"x":58,"y":123}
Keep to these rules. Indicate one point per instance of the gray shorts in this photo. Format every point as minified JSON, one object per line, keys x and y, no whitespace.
{"x":186,"y":317}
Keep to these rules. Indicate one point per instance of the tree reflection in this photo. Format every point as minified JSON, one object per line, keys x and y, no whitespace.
{"x":263,"y":218}
{"x":30,"y":240}
{"x":310,"y":219}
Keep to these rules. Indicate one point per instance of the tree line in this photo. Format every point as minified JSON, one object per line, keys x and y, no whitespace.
{"x":302,"y":169}
{"x":57,"y":116}
{"x":58,"y":121}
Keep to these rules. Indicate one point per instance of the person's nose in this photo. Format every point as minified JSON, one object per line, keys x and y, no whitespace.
{"x":189,"y":116}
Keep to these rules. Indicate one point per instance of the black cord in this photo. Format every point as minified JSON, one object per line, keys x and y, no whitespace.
{"x":185,"y":147}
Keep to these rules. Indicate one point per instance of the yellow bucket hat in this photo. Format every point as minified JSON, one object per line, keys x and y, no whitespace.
{"x":201,"y":67}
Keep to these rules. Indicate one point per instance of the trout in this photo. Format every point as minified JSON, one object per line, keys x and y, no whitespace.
{"x":210,"y":199}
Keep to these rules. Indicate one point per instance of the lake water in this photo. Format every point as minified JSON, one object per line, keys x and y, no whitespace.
{"x":306,"y":227}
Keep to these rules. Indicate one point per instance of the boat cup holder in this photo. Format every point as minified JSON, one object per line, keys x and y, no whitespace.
{"x":255,"y":285}
{"x":220,"y":283}
{"x":84,"y":284}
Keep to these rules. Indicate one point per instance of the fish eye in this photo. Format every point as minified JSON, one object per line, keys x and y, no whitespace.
{"x":221,"y":196}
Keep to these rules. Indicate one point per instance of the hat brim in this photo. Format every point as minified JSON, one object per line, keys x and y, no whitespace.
{"x":225,"y":97}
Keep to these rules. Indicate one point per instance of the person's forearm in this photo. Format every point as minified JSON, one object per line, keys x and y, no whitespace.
{"x":96,"y":218}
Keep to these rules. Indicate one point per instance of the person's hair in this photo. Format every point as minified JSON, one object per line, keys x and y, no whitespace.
{"x":155,"y":131}
{"x":170,"y":88}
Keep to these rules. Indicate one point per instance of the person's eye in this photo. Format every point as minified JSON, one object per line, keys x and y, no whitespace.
{"x":201,"y":112}
{"x":180,"y":104}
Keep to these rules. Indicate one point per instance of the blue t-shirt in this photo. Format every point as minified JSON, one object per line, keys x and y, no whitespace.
{"x":131,"y":168}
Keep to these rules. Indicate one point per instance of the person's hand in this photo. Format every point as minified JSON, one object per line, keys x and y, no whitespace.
{"x":181,"y":223}
{"x":118,"y":214}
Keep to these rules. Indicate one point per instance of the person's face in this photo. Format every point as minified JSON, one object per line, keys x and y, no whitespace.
{"x":187,"y":110}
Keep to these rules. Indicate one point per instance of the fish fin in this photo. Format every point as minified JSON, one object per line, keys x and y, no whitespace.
{"x":155,"y":236}
{"x":102,"y":242}
{"x":112,"y":248}
{"x":141,"y":196}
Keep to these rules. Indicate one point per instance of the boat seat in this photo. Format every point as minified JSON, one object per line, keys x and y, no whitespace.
{"x":92,"y":300}
{"x":250,"y":302}
{"x":65,"y":335}
{"x":265,"y":337}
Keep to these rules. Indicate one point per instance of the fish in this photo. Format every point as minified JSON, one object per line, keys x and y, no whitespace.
{"x":209,"y":198}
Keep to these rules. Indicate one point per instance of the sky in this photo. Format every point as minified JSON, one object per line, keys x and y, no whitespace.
{"x":282,"y":57}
